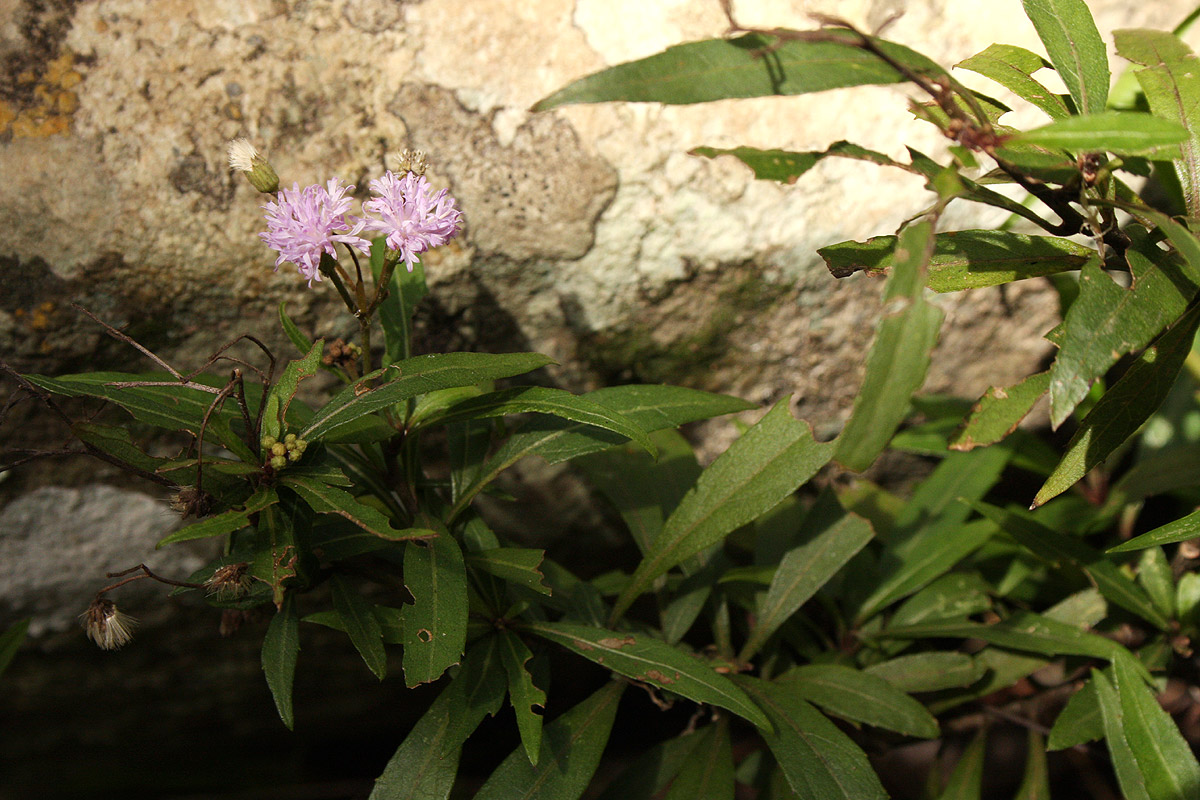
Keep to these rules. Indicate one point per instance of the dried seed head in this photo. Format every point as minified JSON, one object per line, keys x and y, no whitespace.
{"x":191,"y":502}
{"x":412,"y":161}
{"x":106,"y":626}
{"x":229,"y":582}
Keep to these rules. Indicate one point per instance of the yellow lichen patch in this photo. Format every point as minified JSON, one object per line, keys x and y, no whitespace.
{"x":53,"y":101}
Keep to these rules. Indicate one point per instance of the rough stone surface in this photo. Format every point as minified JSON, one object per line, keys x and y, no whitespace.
{"x":591,"y":234}
{"x":56,"y":544}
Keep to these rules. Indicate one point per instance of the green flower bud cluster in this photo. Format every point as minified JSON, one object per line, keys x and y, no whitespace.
{"x":279,"y":453}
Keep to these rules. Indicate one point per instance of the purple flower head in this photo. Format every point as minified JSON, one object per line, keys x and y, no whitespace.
{"x":304,"y":223}
{"x":413,"y":218}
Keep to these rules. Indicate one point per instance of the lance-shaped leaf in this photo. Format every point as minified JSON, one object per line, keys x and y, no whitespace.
{"x":1075,"y":48}
{"x":967,"y":259}
{"x":416,"y":376}
{"x":999,"y":411}
{"x":1124,"y":407}
{"x":1125,"y":132}
{"x":396,"y":311}
{"x":426,"y":763}
{"x":170,"y":406}
{"x":1171,"y":83}
{"x":1048,"y":543}
{"x":644,"y":658}
{"x":651,"y":408}
{"x":326,"y":499}
{"x":281,"y":394}
{"x":389,"y":620}
{"x":1181,"y":530}
{"x":1165,"y":760}
{"x":818,"y":759}
{"x":761,"y":468}
{"x":786,"y":166}
{"x":571,"y":750}
{"x":360,"y":625}
{"x":1012,"y":67}
{"x":528,"y":701}
{"x":861,"y":697}
{"x":899,"y":355}
{"x":1079,"y":721}
{"x":116,"y":442}
{"x":1023,"y":630}
{"x":1125,"y":765}
{"x":281,"y":648}
{"x":226,"y":522}
{"x":543,"y":400}
{"x":10,"y":642}
{"x":805,"y":569}
{"x":519,"y":565}
{"x":649,"y":774}
{"x":708,"y":770}
{"x":748,"y":66}
{"x":435,"y":625}
{"x":1107,"y":321}
{"x":929,"y":672}
{"x":966,"y":780}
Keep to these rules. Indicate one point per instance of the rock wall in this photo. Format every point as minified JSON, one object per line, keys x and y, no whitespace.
{"x":591,"y":235}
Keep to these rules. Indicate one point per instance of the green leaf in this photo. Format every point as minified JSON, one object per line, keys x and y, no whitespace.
{"x":861,"y":697}
{"x":708,"y":769}
{"x":325,"y":499}
{"x":966,"y":781}
{"x":295,"y":336}
{"x":226,"y":522}
{"x":416,"y":376}
{"x":1013,"y":67}
{"x":281,"y":394}
{"x":652,"y":661}
{"x":281,"y":648}
{"x":528,"y":701}
{"x":645,"y":491}
{"x":360,"y":625}
{"x":1133,"y":787}
{"x":519,"y":565}
{"x":952,"y":596}
{"x":1075,"y":48}
{"x":748,"y":66}
{"x":651,"y":408}
{"x":759,"y":470}
{"x":10,"y":642}
{"x":571,"y":750}
{"x":1180,"y":530}
{"x":543,"y":400}
{"x":1107,"y":321}
{"x":1053,"y":546}
{"x":1172,"y":87}
{"x":389,"y":621}
{"x":1165,"y":760}
{"x":899,"y":355}
{"x":1155,"y":576}
{"x":818,"y":759}
{"x":929,"y":672}
{"x":1123,"y":408}
{"x":805,"y":568}
{"x":1079,"y":721}
{"x":116,"y":442}
{"x":174,"y":407}
{"x":786,"y":166}
{"x":966,"y":259}
{"x":467,"y":443}
{"x":999,"y":412}
{"x":650,"y":773}
{"x":435,"y":625}
{"x":1023,"y":630}
{"x":1126,"y":132}
{"x":425,"y":766}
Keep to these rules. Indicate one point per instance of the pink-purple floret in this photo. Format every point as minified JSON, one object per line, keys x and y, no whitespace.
{"x":304,"y":223}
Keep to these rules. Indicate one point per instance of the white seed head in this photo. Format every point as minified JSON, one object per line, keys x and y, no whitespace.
{"x":108,"y":627}
{"x":242,"y":155}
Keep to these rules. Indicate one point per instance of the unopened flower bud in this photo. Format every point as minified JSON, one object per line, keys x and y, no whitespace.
{"x":279,"y":462}
{"x":291,"y":437}
{"x":279,"y":449}
{"x":268,"y":442}
{"x":295,"y":455}
{"x":245,"y":158}
{"x":106,"y":626}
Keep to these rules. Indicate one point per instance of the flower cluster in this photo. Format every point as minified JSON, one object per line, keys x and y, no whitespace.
{"x":303,"y":225}
{"x":279,"y":453}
